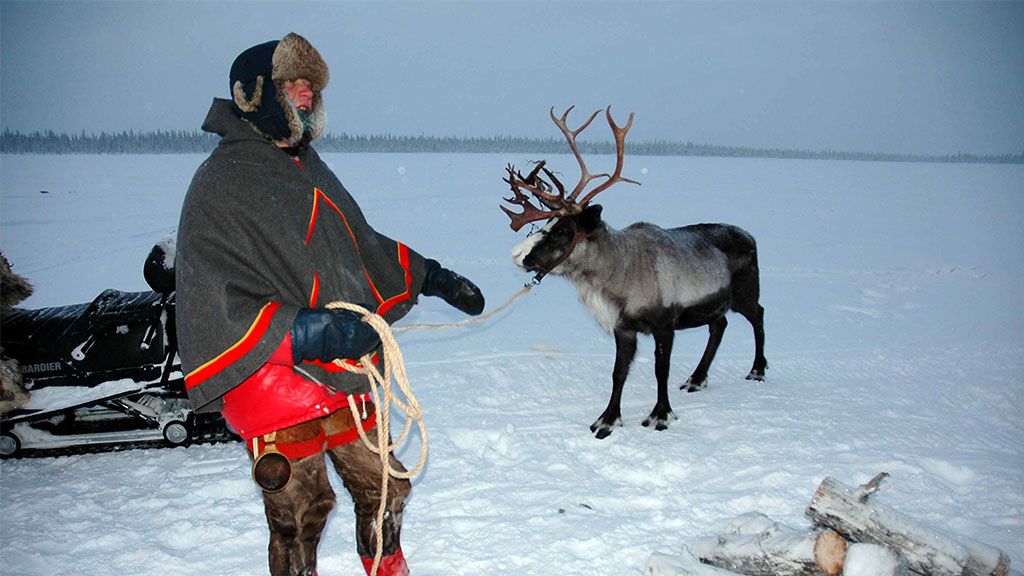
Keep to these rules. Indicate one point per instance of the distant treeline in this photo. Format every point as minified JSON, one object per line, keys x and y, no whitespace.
{"x":187,"y":142}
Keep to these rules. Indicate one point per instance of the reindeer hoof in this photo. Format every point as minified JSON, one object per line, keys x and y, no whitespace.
{"x":604,"y":429}
{"x":660,"y":422}
{"x":756,"y":375}
{"x":692,"y":386}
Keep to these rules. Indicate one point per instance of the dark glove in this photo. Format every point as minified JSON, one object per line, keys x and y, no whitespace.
{"x":325,"y":335}
{"x":452,"y":288}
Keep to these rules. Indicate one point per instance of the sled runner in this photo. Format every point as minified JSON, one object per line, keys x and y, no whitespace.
{"x":102,"y":375}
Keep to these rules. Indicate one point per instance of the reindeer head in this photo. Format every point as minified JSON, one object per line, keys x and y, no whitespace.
{"x":570,"y":220}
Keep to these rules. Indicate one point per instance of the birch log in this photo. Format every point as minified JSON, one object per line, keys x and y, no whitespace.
{"x":926,"y":550}
{"x":864,"y":559}
{"x":684,"y":565}
{"x":755,"y":544}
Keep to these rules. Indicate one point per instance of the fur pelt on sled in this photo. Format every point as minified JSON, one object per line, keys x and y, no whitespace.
{"x":13,"y":289}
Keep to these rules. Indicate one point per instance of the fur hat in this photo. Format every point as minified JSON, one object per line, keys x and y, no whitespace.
{"x":257,"y":80}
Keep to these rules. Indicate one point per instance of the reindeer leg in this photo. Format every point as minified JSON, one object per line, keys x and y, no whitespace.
{"x":625,"y":350}
{"x":662,"y":413}
{"x":699,"y":379}
{"x":746,"y":293}
{"x":756,"y":319}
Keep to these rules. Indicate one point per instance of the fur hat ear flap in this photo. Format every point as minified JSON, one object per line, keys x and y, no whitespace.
{"x":248,"y":104}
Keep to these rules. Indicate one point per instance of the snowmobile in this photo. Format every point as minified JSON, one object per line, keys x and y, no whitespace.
{"x":103,"y":375}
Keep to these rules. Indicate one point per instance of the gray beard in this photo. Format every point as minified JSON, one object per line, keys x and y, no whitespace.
{"x":307,"y":119}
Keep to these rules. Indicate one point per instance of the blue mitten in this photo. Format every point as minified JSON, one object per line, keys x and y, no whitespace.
{"x":325,"y":335}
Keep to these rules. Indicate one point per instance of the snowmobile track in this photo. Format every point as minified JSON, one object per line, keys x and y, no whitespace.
{"x":209,"y":438}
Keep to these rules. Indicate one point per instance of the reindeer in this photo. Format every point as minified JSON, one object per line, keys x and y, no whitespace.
{"x":641,"y":278}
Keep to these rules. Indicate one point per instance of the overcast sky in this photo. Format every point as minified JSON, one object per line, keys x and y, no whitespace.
{"x":920,"y":77}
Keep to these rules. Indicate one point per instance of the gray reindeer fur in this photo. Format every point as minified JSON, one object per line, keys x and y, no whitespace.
{"x":643,"y":267}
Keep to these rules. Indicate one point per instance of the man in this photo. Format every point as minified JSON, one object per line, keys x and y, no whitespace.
{"x":268,"y":236}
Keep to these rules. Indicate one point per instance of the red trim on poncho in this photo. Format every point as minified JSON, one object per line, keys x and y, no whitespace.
{"x":237,"y":350}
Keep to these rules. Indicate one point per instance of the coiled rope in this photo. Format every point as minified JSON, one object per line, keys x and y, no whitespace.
{"x":384,"y":396}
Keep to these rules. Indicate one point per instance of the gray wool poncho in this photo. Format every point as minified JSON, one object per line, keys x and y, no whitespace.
{"x":261,"y":237}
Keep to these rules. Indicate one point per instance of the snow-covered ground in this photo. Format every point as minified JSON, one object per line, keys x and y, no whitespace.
{"x":895,"y":338}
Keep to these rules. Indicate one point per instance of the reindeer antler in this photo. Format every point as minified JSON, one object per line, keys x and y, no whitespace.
{"x":530,"y":212}
{"x":560,"y":204}
{"x":620,"y":149}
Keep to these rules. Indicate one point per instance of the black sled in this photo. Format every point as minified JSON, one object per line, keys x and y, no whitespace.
{"x":103,"y":375}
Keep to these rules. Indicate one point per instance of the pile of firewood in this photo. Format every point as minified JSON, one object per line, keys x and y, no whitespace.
{"x":851,"y":536}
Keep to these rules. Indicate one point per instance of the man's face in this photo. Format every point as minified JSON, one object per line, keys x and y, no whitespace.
{"x":300,"y":94}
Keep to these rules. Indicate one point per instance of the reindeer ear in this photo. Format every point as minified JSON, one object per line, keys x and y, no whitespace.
{"x":590,"y":219}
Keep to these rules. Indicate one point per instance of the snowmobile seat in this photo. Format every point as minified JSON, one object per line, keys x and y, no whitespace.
{"x":159,"y":267}
{"x":119,"y":328}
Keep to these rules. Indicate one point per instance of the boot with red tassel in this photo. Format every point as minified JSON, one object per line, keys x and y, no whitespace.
{"x":391,"y":565}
